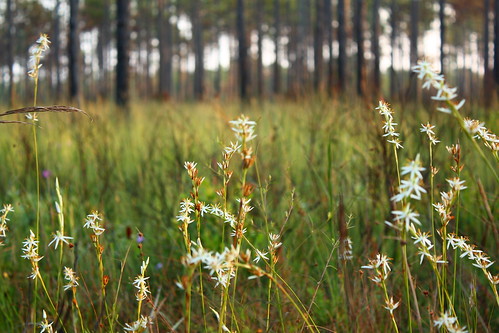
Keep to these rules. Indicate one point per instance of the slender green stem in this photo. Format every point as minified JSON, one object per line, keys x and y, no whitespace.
{"x":432,"y":197}
{"x":37,"y":170}
{"x":387,"y":300}
{"x":223,"y":308}
{"x":188,"y":297}
{"x":56,"y":314}
{"x":454,"y":276}
{"x":404,"y":253}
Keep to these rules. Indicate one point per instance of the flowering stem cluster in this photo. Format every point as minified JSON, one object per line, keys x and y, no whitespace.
{"x":140,"y":283}
{"x":447,"y":95}
{"x":480,"y":258}
{"x":72,"y":283}
{"x":199,"y":211}
{"x":37,"y":51}
{"x":433,"y":140}
{"x":380,"y":268}
{"x":30,"y":252}
{"x":447,"y":320}
{"x":274,"y":245}
{"x":94,"y":222}
{"x":4,"y":212}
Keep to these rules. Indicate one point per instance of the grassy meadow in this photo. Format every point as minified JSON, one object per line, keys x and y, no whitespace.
{"x":320,"y":175}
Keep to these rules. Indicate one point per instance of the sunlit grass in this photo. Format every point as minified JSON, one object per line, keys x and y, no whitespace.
{"x":131,"y":170}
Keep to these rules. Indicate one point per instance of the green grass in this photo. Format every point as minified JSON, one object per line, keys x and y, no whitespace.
{"x":131,"y":170}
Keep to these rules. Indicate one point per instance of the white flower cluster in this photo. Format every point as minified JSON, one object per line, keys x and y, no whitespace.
{"x":221,"y":266}
{"x":444,"y":207}
{"x":140,"y":282}
{"x":480,"y":258}
{"x":59,"y":238}
{"x":186,"y":208}
{"x":139,"y":325}
{"x":479,"y":131}
{"x":274,"y":242}
{"x":30,"y":252}
{"x":410,"y":188}
{"x":381,"y":267}
{"x":4,"y":212}
{"x":36,"y":52}
{"x":389,"y":125}
{"x":45,"y":325}
{"x":243,"y":128}
{"x":428,"y":129}
{"x":93,"y":221}
{"x":433,"y":79}
{"x":449,"y":322}
{"x":229,"y":218}
{"x":70,"y":275}
{"x":424,"y":244}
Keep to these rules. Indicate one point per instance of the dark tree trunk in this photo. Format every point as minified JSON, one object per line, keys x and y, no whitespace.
{"x":290,"y":48}
{"x":198,"y":51}
{"x":359,"y":37}
{"x":302,"y":44}
{"x":10,"y":49}
{"x":148,"y":36}
{"x":73,"y":49}
{"x":328,"y":18}
{"x":122,"y":17}
{"x":277,"y":34}
{"x":56,"y":49}
{"x":393,"y":36}
{"x":496,"y":42}
{"x":259,"y":66}
{"x":242,"y":51}
{"x":318,"y":43}
{"x":163,"y":91}
{"x":441,"y":15}
{"x":103,"y":48}
{"x":414,"y":34}
{"x":376,"y":52}
{"x":218,"y":74}
{"x":486,"y":40}
{"x":342,"y":39}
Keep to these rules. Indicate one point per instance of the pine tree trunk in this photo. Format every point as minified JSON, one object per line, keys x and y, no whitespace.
{"x":198,"y":51}
{"x":441,"y":15}
{"x":414,"y":34}
{"x":359,"y":37}
{"x":277,"y":34}
{"x":318,"y":43}
{"x":496,"y":42}
{"x":342,"y":59}
{"x":259,"y":67}
{"x":328,"y":18}
{"x":163,"y":92}
{"x":122,"y":17}
{"x":217,"y":84}
{"x":486,"y":68}
{"x":10,"y":49}
{"x":393,"y":37}
{"x":376,"y":51}
{"x":242,"y":51}
{"x":73,"y":49}
{"x":56,"y":49}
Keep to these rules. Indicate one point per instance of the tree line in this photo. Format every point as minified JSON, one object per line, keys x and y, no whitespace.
{"x":173,"y":49}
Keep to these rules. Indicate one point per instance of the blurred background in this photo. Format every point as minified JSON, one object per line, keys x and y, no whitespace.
{"x":259,"y":49}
